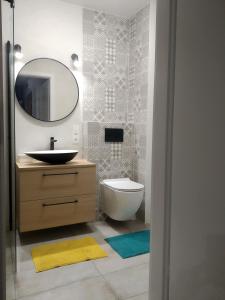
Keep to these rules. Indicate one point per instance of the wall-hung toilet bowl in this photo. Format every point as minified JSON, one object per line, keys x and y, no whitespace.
{"x":121,"y":198}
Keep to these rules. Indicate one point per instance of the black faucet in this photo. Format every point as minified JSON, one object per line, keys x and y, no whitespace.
{"x":52,"y":143}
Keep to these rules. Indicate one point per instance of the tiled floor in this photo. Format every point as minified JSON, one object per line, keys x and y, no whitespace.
{"x":10,"y":284}
{"x":109,"y":278}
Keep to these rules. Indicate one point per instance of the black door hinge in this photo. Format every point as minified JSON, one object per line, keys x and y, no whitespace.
{"x":12,"y":3}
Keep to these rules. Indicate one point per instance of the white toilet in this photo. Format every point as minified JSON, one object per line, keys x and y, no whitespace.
{"x":121,"y":198}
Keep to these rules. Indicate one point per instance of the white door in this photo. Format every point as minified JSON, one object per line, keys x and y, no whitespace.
{"x":188,"y":245}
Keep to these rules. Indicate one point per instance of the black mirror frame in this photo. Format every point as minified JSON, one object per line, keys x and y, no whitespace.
{"x":78,"y":91}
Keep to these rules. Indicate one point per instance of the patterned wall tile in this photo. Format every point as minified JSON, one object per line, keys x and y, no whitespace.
{"x":88,"y":40}
{"x":110,"y":100}
{"x":99,"y":20}
{"x":88,"y":16}
{"x":88,"y":27}
{"x":88,"y":115}
{"x":99,"y":39}
{"x":121,"y":105}
{"x":93,"y":141}
{"x":132,"y":25}
{"x":115,"y":69}
{"x":93,"y":129}
{"x":88,"y":55}
{"x":122,"y":62}
{"x":116,"y":151}
{"x":104,"y":165}
{"x":99,"y":116}
{"x":114,"y":160}
{"x":88,"y":104}
{"x":88,"y":66}
{"x":99,"y":69}
{"x":121,"y":80}
{"x":115,"y":116}
{"x":111,"y":22}
{"x":99,"y":95}
{"x":93,"y":154}
{"x":106,"y":53}
{"x":130,"y":117}
{"x":106,"y":152}
{"x":138,"y":88}
{"x":110,"y":51}
{"x":122,"y":47}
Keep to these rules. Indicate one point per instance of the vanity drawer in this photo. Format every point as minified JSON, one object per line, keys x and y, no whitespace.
{"x":48,"y":213}
{"x":43,"y":184}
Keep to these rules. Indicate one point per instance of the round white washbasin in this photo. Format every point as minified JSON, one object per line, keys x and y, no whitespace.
{"x":53,"y":156}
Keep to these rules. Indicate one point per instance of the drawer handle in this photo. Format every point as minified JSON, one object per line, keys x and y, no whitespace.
{"x":59,"y":174}
{"x":60,"y":203}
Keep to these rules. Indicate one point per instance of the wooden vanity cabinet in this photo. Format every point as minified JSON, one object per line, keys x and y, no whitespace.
{"x":55,"y":195}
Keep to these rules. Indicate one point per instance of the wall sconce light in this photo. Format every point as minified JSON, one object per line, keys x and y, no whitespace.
{"x":18,"y":51}
{"x":75,"y":60}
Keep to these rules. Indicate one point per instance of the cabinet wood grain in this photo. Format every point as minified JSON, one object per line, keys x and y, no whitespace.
{"x":43,"y":184}
{"x":53,"y":196}
{"x":56,"y":212}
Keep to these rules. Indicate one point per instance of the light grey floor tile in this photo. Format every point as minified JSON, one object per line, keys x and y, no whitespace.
{"x":29,"y":282}
{"x":90,"y":289}
{"x":129,"y":282}
{"x":24,"y":259}
{"x":144,"y":296}
{"x":114,"y":262}
{"x":27,"y":241}
{"x":136,"y":225}
{"x":10,"y":287}
{"x":25,"y":263}
{"x":9,"y":262}
{"x":110,"y":228}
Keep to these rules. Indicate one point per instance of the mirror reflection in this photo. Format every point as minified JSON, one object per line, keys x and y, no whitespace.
{"x":46,"y":89}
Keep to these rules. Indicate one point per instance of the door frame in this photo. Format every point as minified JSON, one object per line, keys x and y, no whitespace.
{"x":166,"y":14}
{"x":2,"y":184}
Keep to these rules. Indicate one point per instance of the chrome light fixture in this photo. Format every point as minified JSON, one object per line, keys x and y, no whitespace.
{"x":75,"y":59}
{"x":18,"y":51}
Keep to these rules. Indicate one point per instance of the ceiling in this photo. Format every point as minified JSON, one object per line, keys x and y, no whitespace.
{"x":123,"y":8}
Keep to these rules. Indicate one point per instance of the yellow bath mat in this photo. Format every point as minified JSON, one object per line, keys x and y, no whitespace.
{"x":64,"y":253}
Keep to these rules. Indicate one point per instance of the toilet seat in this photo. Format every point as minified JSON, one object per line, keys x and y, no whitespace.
{"x":123,"y":185}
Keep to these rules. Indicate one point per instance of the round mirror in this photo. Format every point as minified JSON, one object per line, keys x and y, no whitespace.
{"x":46,"y":89}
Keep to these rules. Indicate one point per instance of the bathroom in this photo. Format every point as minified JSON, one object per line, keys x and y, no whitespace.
{"x":103,"y":54}
{"x":115,"y":193}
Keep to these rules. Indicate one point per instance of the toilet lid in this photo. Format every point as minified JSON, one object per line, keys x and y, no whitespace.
{"x":124,"y":184}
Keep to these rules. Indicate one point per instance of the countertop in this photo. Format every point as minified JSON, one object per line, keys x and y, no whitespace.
{"x":27,"y":163}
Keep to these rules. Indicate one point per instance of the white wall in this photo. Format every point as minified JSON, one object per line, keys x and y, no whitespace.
{"x":44,"y":30}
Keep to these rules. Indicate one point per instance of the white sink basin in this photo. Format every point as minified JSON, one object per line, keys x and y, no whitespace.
{"x":53,"y":156}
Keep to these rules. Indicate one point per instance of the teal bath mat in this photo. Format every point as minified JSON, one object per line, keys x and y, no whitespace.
{"x":131,"y":244}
